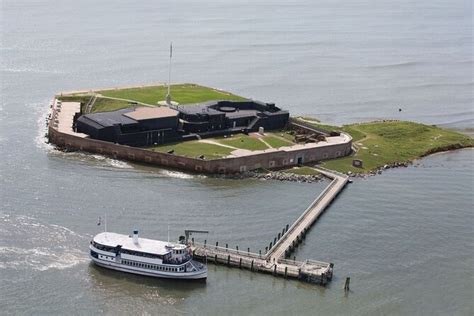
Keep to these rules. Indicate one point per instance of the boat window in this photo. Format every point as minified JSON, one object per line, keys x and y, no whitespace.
{"x":141,"y":254}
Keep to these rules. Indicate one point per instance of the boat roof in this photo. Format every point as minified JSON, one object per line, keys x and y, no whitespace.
{"x":152,"y":246}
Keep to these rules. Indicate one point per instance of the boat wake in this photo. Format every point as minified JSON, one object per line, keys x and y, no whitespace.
{"x":27,"y":244}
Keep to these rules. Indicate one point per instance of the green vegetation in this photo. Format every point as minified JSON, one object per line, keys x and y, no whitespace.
{"x":106,"y":105}
{"x":195,"y":149}
{"x":316,"y":123}
{"x":215,"y":151}
{"x":181,"y":93}
{"x":100,"y":105}
{"x":307,"y":171}
{"x":83,"y":99}
{"x":117,"y":99}
{"x":243,"y":142}
{"x":388,"y":142}
{"x":277,"y":142}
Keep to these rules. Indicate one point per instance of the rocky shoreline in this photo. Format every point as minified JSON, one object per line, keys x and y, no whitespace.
{"x":378,"y":170}
{"x":279,"y":176}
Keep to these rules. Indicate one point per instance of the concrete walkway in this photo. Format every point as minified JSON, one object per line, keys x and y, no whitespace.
{"x":206,"y":141}
{"x":309,"y":216}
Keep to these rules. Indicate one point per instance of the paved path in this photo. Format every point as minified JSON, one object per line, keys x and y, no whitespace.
{"x":207,"y":141}
{"x":127,"y":100}
{"x":263,"y":141}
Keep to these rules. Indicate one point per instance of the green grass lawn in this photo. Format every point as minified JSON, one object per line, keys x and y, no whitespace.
{"x":210,"y":151}
{"x":381,"y":143}
{"x":194,"y":149}
{"x":277,"y":142}
{"x":316,"y":123}
{"x":307,"y":171}
{"x":243,"y":142}
{"x":181,"y":93}
{"x":106,"y":105}
{"x":100,"y":105}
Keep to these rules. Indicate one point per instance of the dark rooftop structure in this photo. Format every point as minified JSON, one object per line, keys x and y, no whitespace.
{"x":145,"y":126}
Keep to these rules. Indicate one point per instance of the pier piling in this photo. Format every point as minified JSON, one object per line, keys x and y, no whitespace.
{"x":273,"y":260}
{"x":346,"y":285}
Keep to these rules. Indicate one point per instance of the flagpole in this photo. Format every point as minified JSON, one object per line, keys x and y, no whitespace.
{"x":168,"y":96}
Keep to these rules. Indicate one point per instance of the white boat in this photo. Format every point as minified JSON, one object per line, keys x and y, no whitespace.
{"x":145,"y":256}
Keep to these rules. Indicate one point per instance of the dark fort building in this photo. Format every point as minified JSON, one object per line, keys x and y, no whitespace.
{"x":145,"y":126}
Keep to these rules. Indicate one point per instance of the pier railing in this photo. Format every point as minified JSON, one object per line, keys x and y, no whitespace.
{"x":240,"y":252}
{"x":302,"y":216}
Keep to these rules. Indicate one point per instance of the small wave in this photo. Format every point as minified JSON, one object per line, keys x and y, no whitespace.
{"x":40,"y":259}
{"x":396,"y":65}
{"x":177,"y":174}
{"x":110,"y":162}
{"x":439,"y":85}
{"x":41,"y":139}
{"x":30,"y":70}
{"x":39,"y":246}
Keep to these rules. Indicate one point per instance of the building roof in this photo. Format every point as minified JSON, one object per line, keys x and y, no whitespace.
{"x":144,"y":245}
{"x":105,"y":119}
{"x":148,"y":113}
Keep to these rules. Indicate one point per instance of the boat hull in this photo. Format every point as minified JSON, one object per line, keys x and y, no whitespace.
{"x":195,"y":275}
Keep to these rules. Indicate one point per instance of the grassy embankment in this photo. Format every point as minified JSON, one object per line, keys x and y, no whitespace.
{"x":215,"y":151}
{"x":304,"y":170}
{"x":195,"y":149}
{"x":388,"y":142}
{"x":181,"y":93}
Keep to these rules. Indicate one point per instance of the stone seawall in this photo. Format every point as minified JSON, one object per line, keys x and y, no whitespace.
{"x":268,"y":160}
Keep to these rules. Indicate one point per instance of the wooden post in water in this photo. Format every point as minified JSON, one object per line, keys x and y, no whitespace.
{"x":240,"y":263}
{"x":260,"y":252}
{"x":237,"y":247}
{"x":215,"y":258}
{"x":251,"y":266}
{"x":226,"y":247}
{"x":287,"y":226}
{"x":205,"y":242}
{"x":286,"y":271}
{"x":192,"y":240}
{"x":266,"y":249}
{"x":275,"y":269}
{"x":228,"y":260}
{"x":270,"y":247}
{"x":248,"y":251}
{"x":346,"y":285}
{"x":279,"y":235}
{"x":283,"y":231}
{"x":274,"y":240}
{"x":217,"y":244}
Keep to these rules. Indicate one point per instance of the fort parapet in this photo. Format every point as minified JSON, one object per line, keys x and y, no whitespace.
{"x":62,"y":134}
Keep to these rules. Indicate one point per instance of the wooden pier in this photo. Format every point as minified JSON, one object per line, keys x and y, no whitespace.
{"x":274,"y":260}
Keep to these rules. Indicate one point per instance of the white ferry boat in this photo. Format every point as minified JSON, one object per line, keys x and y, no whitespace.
{"x":145,"y":256}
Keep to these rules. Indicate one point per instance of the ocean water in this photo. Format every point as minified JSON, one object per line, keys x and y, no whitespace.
{"x":405,"y":237}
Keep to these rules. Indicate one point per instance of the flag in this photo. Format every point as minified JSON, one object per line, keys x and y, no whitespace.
{"x":98,"y":221}
{"x":171,"y":49}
